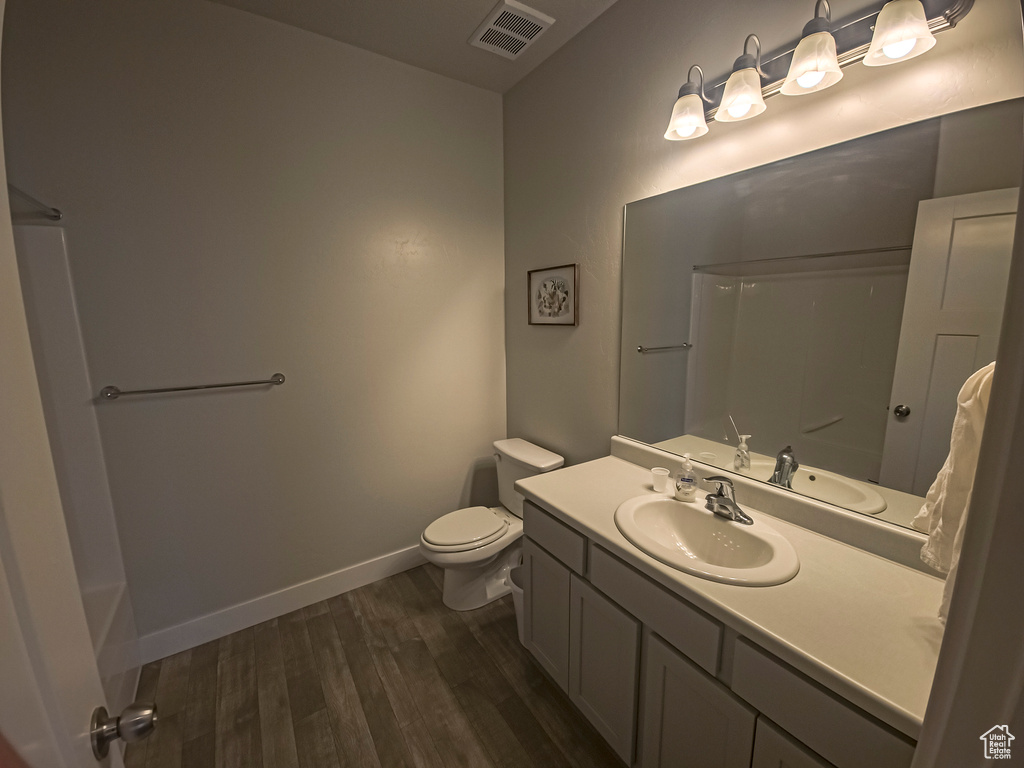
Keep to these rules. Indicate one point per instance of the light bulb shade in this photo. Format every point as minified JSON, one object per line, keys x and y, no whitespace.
{"x":901,"y":33}
{"x":687,"y":121}
{"x":742,"y":98}
{"x":815,"y":65}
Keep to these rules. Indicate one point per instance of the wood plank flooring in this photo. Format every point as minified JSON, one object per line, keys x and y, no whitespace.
{"x":381,"y":676}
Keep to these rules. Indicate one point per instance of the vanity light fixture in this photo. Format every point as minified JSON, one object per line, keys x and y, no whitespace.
{"x":742,"y":97}
{"x":687,"y":121}
{"x":901,"y":33}
{"x":815,"y":62}
{"x":894,"y":31}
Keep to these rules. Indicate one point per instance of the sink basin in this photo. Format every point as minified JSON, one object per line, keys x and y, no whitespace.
{"x":688,"y":537}
{"x":824,"y":486}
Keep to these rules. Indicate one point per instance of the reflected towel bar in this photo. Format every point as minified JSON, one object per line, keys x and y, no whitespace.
{"x":645,"y":350}
{"x":48,"y":212}
{"x":112,"y":393}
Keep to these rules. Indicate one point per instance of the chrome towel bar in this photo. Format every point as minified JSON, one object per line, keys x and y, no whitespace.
{"x":645,"y":350}
{"x":112,"y":393}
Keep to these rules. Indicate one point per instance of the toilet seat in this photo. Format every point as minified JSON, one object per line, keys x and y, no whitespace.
{"x":464,"y":529}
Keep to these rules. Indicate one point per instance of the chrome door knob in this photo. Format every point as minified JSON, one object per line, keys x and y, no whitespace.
{"x":136,"y":723}
{"x":901,"y":411}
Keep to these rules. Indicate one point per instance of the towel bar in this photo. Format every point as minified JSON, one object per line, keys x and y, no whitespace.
{"x":112,"y":393}
{"x":645,"y":350}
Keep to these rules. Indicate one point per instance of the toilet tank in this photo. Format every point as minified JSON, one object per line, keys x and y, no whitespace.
{"x":516,"y":459}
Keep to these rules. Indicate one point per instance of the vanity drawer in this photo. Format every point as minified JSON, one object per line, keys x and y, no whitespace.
{"x":840,"y":733}
{"x":557,"y":538}
{"x":689,"y":630}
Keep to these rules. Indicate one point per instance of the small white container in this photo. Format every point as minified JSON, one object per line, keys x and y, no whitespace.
{"x":660,"y":479}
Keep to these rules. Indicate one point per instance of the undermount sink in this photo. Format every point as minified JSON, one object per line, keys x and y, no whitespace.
{"x":686,"y":536}
{"x":824,"y":486}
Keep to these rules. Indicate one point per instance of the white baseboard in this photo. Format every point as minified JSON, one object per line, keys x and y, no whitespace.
{"x":167,"y":642}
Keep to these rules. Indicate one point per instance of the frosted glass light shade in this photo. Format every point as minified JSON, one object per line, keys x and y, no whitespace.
{"x":815,"y":65}
{"x":901,"y":33}
{"x":687,"y":121}
{"x":742,"y":97}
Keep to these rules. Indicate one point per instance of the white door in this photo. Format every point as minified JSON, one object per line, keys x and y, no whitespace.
{"x":50,"y":680}
{"x":956,"y":290}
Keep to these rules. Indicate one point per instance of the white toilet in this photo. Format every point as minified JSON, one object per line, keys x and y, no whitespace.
{"x":477,"y":546}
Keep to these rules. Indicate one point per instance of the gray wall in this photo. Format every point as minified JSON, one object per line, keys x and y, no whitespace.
{"x":244,"y":198}
{"x":583,"y":137}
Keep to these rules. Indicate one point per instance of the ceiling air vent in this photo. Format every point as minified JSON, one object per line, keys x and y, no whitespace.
{"x":510,"y":28}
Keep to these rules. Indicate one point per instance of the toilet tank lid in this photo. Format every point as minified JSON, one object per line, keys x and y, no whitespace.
{"x":528,"y":454}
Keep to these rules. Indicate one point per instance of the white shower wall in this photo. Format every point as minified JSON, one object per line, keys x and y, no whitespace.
{"x":78,"y":459}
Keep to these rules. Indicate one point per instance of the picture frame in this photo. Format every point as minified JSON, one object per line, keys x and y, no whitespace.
{"x":552,"y":295}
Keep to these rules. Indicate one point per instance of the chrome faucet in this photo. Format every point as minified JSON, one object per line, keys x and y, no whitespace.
{"x":723,"y":502}
{"x":785,"y":467}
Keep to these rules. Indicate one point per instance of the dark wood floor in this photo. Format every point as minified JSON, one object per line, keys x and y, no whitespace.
{"x":381,"y":676}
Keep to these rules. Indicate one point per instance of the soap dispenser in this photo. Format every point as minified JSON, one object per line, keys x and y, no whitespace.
{"x":686,"y":481}
{"x":741,"y":460}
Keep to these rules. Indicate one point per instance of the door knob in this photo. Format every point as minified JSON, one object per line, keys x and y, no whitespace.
{"x":136,"y":723}
{"x":901,"y":411}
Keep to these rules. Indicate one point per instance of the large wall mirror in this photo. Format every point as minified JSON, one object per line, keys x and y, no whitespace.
{"x":833,"y":302}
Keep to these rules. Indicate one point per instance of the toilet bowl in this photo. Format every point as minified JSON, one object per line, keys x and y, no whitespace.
{"x":477,"y":546}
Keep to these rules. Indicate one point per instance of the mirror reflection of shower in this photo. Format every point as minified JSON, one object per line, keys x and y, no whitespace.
{"x":798,"y":351}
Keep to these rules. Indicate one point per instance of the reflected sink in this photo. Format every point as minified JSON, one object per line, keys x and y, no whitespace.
{"x":686,"y":536}
{"x":824,"y":486}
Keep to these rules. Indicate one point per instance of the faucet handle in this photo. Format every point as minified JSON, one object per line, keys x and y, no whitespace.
{"x":726,"y":489}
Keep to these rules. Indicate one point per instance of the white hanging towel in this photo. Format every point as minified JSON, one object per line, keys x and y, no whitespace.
{"x":945,"y":508}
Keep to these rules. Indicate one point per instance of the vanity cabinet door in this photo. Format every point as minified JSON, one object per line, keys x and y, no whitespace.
{"x":689,"y":719}
{"x":604,"y":662}
{"x":774,"y":748}
{"x":546,"y":611}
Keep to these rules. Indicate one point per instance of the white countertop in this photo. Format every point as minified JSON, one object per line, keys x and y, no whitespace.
{"x":858,"y":624}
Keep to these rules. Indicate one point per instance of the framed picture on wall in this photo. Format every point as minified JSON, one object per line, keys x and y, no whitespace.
{"x":553,"y":294}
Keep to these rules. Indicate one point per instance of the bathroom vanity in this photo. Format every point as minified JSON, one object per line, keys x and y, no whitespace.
{"x":830,"y":668}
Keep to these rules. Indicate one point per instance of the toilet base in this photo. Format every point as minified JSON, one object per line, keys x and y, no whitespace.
{"x":468,"y":588}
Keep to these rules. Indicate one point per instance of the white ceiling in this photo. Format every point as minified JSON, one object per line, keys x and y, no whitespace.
{"x":431,"y":34}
